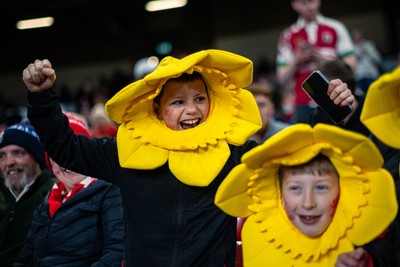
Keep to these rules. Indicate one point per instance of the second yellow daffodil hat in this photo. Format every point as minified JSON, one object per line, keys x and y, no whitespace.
{"x":381,"y":110}
{"x":195,"y":156}
{"x":366,"y":207}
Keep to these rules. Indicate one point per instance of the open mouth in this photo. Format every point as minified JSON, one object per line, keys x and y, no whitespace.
{"x":188,"y":124}
{"x":308,"y":219}
{"x":13,"y":172}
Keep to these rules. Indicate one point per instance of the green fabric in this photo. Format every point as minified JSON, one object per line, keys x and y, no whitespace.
{"x":16,"y":217}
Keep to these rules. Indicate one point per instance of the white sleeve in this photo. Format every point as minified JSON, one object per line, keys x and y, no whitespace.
{"x":345,"y":44}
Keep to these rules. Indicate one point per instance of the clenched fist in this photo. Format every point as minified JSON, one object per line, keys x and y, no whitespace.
{"x":39,"y":76}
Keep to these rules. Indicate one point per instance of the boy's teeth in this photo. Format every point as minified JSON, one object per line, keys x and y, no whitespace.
{"x":191,"y":122}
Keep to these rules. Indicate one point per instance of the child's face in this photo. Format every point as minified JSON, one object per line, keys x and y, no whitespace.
{"x":183,"y":105}
{"x":310,"y":201}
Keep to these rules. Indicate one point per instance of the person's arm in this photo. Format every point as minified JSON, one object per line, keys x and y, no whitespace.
{"x":113,"y":229}
{"x":384,"y":250}
{"x":318,"y":116}
{"x":39,"y":76}
{"x":96,"y":157}
{"x":305,"y":55}
{"x":285,"y":73}
{"x":288,"y":61}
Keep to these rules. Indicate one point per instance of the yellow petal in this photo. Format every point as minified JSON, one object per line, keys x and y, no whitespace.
{"x":247,"y":123}
{"x":199,"y":167}
{"x":381,"y":110}
{"x":239,"y":200}
{"x":136,"y":155}
{"x":382,"y":202}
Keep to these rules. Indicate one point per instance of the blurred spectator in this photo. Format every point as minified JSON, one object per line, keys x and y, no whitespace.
{"x":369,"y":60}
{"x":82,"y":218}
{"x":285,"y":107}
{"x":25,"y":182}
{"x":100,"y":124}
{"x":312,"y":38}
{"x":270,"y":126}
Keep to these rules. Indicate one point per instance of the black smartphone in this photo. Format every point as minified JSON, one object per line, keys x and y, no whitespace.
{"x":316,"y":86}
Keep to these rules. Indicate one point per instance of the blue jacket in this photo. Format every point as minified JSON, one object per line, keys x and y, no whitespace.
{"x":87,"y":230}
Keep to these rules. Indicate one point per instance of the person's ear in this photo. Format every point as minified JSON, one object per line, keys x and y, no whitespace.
{"x":283,"y":202}
{"x":156,"y":108}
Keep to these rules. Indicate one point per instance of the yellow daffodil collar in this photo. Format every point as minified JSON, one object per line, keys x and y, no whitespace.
{"x":367,"y":192}
{"x":195,"y":156}
{"x":381,"y":110}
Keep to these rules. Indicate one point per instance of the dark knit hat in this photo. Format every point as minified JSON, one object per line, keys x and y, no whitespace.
{"x":24,"y":135}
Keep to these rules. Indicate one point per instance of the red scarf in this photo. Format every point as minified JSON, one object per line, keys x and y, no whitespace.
{"x":59,"y":194}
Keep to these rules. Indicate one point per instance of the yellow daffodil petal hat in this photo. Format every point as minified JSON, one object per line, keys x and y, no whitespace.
{"x":366,"y":207}
{"x":195,"y":156}
{"x":381,"y":110}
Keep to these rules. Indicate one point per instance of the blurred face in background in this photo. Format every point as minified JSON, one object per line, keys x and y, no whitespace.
{"x":266,"y":108}
{"x":307,"y":9}
{"x":19,"y":168}
{"x":69,"y":178}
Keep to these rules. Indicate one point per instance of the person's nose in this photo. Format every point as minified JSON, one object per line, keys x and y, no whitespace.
{"x":308,"y":201}
{"x":191,"y":108}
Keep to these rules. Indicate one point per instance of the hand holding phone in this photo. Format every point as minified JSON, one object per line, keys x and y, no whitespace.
{"x":316,"y":86}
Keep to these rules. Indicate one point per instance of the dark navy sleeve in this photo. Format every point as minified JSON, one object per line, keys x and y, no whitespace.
{"x":95,"y":157}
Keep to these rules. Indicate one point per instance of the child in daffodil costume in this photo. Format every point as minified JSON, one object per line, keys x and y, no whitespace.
{"x":168,"y":170}
{"x":272,"y":235}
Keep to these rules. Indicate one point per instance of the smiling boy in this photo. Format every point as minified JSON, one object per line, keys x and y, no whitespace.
{"x":184,"y":102}
{"x":312,"y":196}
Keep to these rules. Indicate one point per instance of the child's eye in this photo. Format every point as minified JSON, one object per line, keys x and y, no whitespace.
{"x":177,"y":102}
{"x":322,"y":187}
{"x":19,"y":153}
{"x":201,"y":99}
{"x":294,"y":188}
{"x":261,"y":105}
